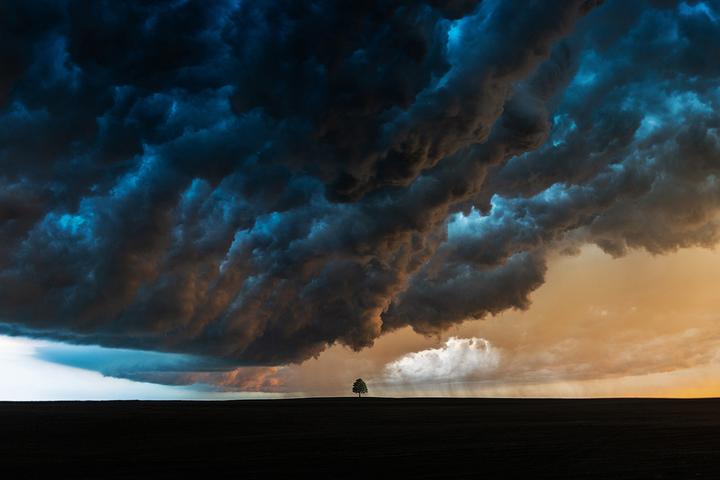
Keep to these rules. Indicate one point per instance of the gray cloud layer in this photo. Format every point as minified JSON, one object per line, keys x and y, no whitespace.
{"x":254,"y":182}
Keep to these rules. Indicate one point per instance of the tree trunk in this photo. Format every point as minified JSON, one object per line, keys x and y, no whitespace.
{"x":358,"y":394}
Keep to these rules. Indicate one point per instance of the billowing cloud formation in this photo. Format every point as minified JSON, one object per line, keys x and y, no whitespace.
{"x":256,"y":181}
{"x":459,"y":358}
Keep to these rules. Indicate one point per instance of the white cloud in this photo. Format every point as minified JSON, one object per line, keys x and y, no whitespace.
{"x":459,"y":358}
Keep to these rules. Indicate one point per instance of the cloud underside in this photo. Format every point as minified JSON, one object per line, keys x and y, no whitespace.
{"x":253,"y":182}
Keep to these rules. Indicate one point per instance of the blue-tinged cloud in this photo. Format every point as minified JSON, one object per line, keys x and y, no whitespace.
{"x":252,"y":182}
{"x":114,"y":362}
{"x":202,"y":374}
{"x":632,"y":161}
{"x":34,"y":370}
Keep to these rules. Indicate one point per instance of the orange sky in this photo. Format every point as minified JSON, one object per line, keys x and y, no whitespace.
{"x":640,"y":325}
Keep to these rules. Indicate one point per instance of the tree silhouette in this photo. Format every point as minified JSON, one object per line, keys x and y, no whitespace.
{"x":359,"y":387}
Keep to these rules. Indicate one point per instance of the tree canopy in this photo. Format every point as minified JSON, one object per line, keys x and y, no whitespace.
{"x":359,"y":387}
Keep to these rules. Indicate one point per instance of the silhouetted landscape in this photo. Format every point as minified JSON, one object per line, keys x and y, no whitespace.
{"x":363,"y":438}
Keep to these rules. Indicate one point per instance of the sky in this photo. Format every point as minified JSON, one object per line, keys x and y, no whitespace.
{"x":228,"y":199}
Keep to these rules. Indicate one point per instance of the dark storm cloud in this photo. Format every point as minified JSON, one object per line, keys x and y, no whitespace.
{"x":254,"y":181}
{"x":635,"y":141}
{"x":631,"y":162}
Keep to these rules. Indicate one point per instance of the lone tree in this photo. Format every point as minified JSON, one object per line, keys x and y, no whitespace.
{"x":359,"y":387}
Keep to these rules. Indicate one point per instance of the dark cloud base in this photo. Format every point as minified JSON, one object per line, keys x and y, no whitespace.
{"x":254,"y":181}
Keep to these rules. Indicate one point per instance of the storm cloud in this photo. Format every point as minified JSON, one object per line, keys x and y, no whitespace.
{"x":255,"y":181}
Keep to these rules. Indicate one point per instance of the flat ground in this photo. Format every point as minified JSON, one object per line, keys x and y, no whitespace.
{"x":363,"y":438}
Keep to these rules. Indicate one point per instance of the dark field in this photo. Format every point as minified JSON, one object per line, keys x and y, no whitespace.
{"x":366,"y":438}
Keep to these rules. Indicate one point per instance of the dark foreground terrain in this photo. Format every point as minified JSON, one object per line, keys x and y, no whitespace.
{"x":362,"y":438}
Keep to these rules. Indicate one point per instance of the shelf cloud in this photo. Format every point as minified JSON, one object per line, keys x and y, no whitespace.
{"x":253,"y":182}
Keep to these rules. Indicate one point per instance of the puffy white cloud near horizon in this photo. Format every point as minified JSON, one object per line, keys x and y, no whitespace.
{"x":457,"y":359}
